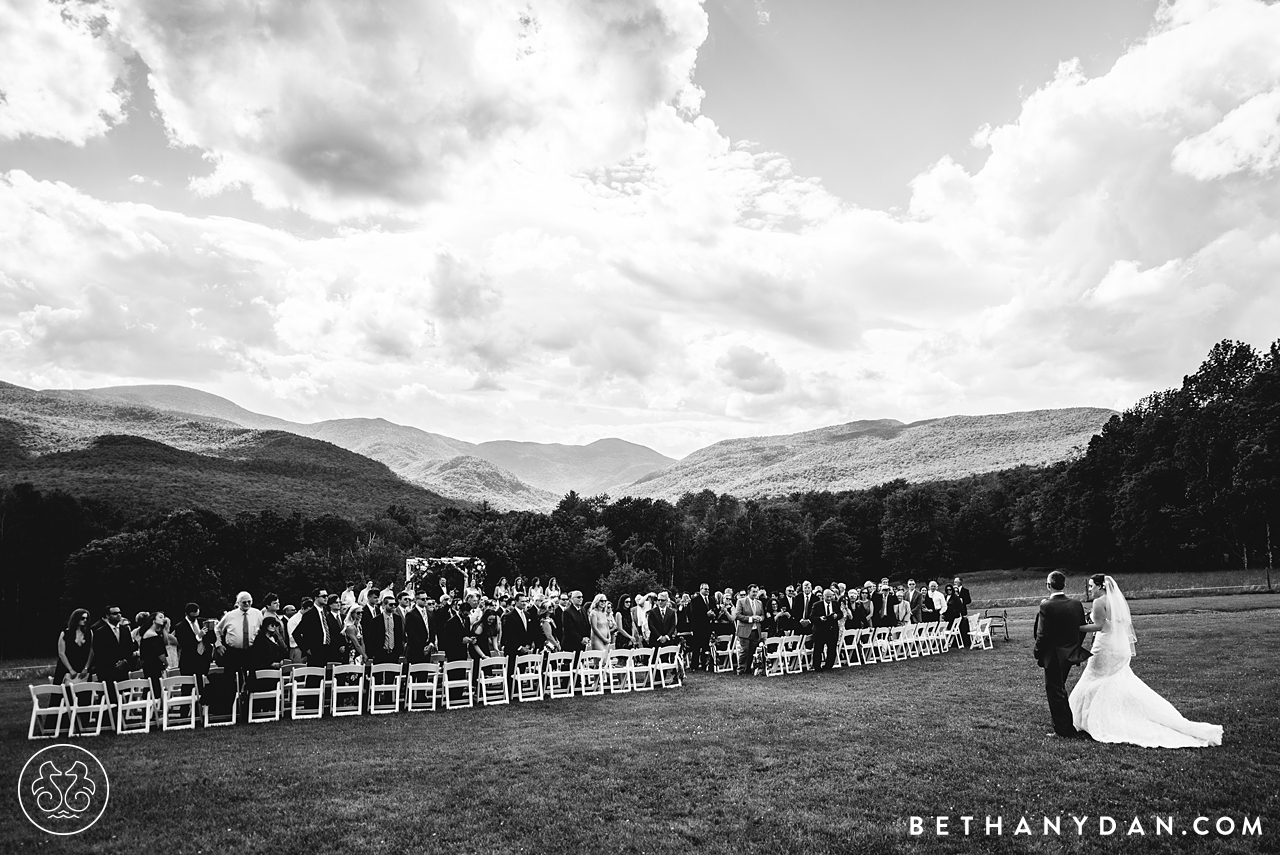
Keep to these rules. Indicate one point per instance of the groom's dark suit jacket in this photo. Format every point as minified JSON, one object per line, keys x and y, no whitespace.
{"x":1057,"y":631}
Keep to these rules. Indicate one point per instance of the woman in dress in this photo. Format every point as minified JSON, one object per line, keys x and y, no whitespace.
{"x":626,"y":629}
{"x":269,"y":648}
{"x":903,"y":608}
{"x":1109,"y":702}
{"x":75,"y":650}
{"x":535,"y":589}
{"x":553,"y":589}
{"x":640,"y":620}
{"x":954,"y":609}
{"x":500,"y":589}
{"x":153,"y":647}
{"x":547,"y":621}
{"x":518,"y":586}
{"x":598,"y":617}
{"x":862,"y":609}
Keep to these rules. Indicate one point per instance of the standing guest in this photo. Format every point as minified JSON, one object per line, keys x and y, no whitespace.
{"x":536,"y":591}
{"x":598,"y":624}
{"x":363,"y":598}
{"x":340,"y":650}
{"x":885,"y":605}
{"x":291,"y":627}
{"x":965,"y":600}
{"x":518,"y":636}
{"x":953,"y":607}
{"x":317,"y":633}
{"x":384,"y":637}
{"x":640,"y":620}
{"x":404,"y":603}
{"x":799,"y":606}
{"x":904,"y":605}
{"x":271,"y":605}
{"x":748,"y":617}
{"x":826,"y":631}
{"x":576,"y":629}
{"x":114,"y":650}
{"x":915,"y":598}
{"x":500,"y":590}
{"x":353,"y":632}
{"x":937,"y":600}
{"x":235,"y":634}
{"x":418,"y":632}
{"x":195,"y":645}
{"x":700,"y":610}
{"x":455,"y":631}
{"x":519,"y":585}
{"x":553,"y":588}
{"x":75,"y":650}
{"x":154,"y":639}
{"x":348,"y":597}
{"x":548,"y":639}
{"x":662,"y":623}
{"x":624,"y":636}
{"x":562,"y":607}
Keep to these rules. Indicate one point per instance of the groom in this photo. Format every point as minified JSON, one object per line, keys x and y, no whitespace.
{"x":1059,"y":645}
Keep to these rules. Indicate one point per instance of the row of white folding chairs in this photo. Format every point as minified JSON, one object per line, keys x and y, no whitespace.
{"x":86,"y":709}
{"x":793,"y":653}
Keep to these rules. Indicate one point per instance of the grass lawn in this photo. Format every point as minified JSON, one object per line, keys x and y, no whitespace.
{"x":806,"y":764}
{"x":994,"y":586}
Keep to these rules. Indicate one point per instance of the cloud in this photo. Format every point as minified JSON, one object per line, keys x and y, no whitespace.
{"x":751,"y":371}
{"x":343,"y":109}
{"x":59,"y":71}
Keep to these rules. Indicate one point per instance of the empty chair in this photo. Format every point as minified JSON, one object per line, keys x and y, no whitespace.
{"x":384,"y":688}
{"x":848,"y":648}
{"x":306,"y":694}
{"x":999,"y":620}
{"x":617,"y":669}
{"x":774,"y":659}
{"x":867,"y":646}
{"x":457,"y":685}
{"x":951,"y":635}
{"x":422,"y":687}
{"x":492,"y":680}
{"x":590,"y":672}
{"x":898,"y":641}
{"x":179,"y":701}
{"x":724,"y":654}
{"x":804,"y":653}
{"x":527,"y":678}
{"x":266,"y":696}
{"x":346,"y":690}
{"x":134,"y":706}
{"x":49,"y":706}
{"x":642,"y":670}
{"x":792,"y":656}
{"x":666,"y":667}
{"x":980,"y":635}
{"x":218,"y":698}
{"x":559,"y":674}
{"x":91,"y":709}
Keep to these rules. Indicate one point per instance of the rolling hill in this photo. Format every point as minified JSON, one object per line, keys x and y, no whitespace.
{"x":862,"y":454}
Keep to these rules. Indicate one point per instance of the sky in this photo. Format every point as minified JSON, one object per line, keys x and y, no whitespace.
{"x":669,"y":221}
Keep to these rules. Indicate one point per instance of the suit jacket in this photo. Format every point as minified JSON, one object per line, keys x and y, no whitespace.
{"x":965,"y":600}
{"x":418,"y":633}
{"x":517,"y":633}
{"x":825,"y":617}
{"x":917,"y":602}
{"x":660,"y":625}
{"x":799,"y":609}
{"x":576,"y":628}
{"x":742,"y":613}
{"x":450,"y":633}
{"x":309,"y":637}
{"x":377,"y":646}
{"x":877,"y":602}
{"x":700,"y":611}
{"x":1057,"y":632}
{"x":107,"y":651}
{"x":188,"y":641}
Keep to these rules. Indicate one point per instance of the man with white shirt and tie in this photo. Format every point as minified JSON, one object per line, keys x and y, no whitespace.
{"x":418,"y":632}
{"x":517,"y":634}
{"x":195,"y":646}
{"x":114,"y":650}
{"x":700,"y":610}
{"x":234,"y":636}
{"x":748,"y":618}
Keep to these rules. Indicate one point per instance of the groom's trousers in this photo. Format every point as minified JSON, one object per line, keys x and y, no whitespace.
{"x":1055,"y":688}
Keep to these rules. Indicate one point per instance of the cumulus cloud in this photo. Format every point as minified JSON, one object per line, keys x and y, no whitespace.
{"x":59,"y":71}
{"x":751,"y":371}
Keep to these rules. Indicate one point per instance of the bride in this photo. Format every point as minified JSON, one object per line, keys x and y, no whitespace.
{"x":1109,"y":702}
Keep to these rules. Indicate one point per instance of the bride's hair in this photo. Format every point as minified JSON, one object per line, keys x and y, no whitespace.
{"x":1099,"y":580}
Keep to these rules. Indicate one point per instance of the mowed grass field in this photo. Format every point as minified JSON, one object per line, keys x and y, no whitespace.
{"x":815,"y":763}
{"x":995,"y":586}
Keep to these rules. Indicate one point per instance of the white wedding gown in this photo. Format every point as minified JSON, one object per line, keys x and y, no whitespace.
{"x":1111,"y":704}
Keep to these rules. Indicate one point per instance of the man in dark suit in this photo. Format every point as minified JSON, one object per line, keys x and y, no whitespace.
{"x":453,"y":633}
{"x":826,"y":631}
{"x":662,"y":622}
{"x":884,"y":606}
{"x":195,"y":645}
{"x":700,"y":609}
{"x":517,"y":633}
{"x":114,"y":650}
{"x":384,"y":635}
{"x":419,"y":638}
{"x":576,"y":628}
{"x":965,"y":599}
{"x":319,"y":634}
{"x":1059,"y":646}
{"x":800,"y":607}
{"x":915,"y":598}
{"x":563,"y":606}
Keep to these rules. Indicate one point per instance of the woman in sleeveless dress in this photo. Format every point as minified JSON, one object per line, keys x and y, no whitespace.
{"x":601,"y":625}
{"x":1109,"y":702}
{"x":75,"y":649}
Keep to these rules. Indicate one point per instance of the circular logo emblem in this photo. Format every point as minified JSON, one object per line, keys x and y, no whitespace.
{"x":63,"y":789}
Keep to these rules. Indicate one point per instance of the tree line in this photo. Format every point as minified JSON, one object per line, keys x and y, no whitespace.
{"x":1188,"y":478}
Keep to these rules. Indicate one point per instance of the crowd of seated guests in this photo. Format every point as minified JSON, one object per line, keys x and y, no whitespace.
{"x":384,"y":626}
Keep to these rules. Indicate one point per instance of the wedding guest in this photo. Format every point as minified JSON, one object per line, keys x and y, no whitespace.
{"x":577,"y":629}
{"x":799,"y":606}
{"x":938,"y":600}
{"x":404,"y":603}
{"x":904,"y":605}
{"x":348,"y":597}
{"x":826,"y":631}
{"x":553,"y":589}
{"x":662,"y":623}
{"x":965,"y":600}
{"x":154,"y":638}
{"x":953,"y":605}
{"x":235,"y":634}
{"x":419,"y":631}
{"x":500,"y":589}
{"x":195,"y":645}
{"x":640,"y":620}
{"x":454,"y":632}
{"x":114,"y":650}
{"x":353,"y":632}
{"x":291,"y":627}
{"x":384,"y":637}
{"x":519,"y":585}
{"x":317,"y":632}
{"x":748,"y":616}
{"x":598,"y":623}
{"x":862,"y":610}
{"x":75,"y":650}
{"x":624,"y":635}
{"x":560,"y":607}
{"x":885,"y":603}
{"x":269,"y":648}
{"x":547,"y":623}
{"x":535,"y":588}
{"x":363,"y":599}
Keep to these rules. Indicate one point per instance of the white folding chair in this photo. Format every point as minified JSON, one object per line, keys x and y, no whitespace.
{"x":48,"y":702}
{"x":492,"y":680}
{"x":792,"y":663}
{"x":980,"y":635}
{"x":642,"y":669}
{"x":219,"y":705}
{"x":589,"y":676}
{"x":849,"y":648}
{"x":134,"y":706}
{"x":266,"y":696}
{"x":867,"y":646}
{"x":307,"y":685}
{"x":666,"y":667}
{"x":898,"y":642}
{"x":457,"y":689}
{"x":951,"y":635}
{"x":179,"y":701}
{"x":346,"y":691}
{"x":804,"y":653}
{"x":775,"y":663}
{"x":91,"y":709}
{"x":618,"y":670}
{"x":422,"y":687}
{"x":559,"y":674}
{"x":527,"y":680}
{"x":724,"y":654}
{"x":384,"y":688}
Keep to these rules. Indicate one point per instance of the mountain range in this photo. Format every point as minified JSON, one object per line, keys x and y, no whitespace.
{"x":511,"y":475}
